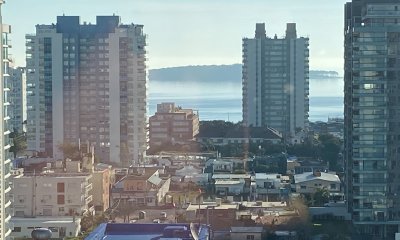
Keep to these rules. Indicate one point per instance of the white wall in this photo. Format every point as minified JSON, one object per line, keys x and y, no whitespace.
{"x":114,"y":97}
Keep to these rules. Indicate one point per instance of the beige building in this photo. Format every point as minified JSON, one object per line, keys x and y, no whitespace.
{"x":52,"y":194}
{"x":143,"y":186}
{"x":101,"y":180}
{"x":60,"y":227}
{"x":171,"y":124}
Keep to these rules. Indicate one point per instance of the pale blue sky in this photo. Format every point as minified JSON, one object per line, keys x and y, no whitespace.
{"x":196,"y":32}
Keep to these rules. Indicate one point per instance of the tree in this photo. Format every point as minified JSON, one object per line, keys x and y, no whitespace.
{"x":330,"y":149}
{"x":321,"y":196}
{"x":69,"y":150}
{"x":19,"y":143}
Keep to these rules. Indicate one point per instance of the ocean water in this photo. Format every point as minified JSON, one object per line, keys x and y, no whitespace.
{"x":221,"y":101}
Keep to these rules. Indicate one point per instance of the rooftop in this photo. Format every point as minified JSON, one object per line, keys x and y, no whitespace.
{"x":228,"y":182}
{"x":238,"y":132}
{"x":309,"y":176}
{"x":213,"y":205}
{"x":231,"y":176}
{"x":125,"y":231}
{"x":247,"y":229}
{"x":49,"y":220}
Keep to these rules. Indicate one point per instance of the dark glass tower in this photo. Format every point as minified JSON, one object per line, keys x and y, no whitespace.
{"x":372,"y":115}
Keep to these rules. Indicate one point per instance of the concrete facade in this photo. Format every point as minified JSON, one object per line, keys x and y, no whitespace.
{"x":60,"y":227}
{"x":275,"y":81}
{"x":101,"y":180}
{"x":172,"y":125}
{"x":18,"y":98}
{"x":79,"y":76}
{"x":52,"y":194}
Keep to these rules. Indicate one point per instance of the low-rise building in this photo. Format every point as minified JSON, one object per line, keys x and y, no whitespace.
{"x":171,"y":124}
{"x":219,"y":215}
{"x":101,"y":180}
{"x":142,"y":186}
{"x":238,"y":135}
{"x":235,"y":187}
{"x":60,"y":227}
{"x":52,"y":194}
{"x":222,"y":166}
{"x":309,"y":182}
{"x":271,"y":187}
{"x":247,"y":233}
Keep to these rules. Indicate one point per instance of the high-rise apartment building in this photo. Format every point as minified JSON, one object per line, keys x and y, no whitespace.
{"x":275,"y":81}
{"x":18,"y":98}
{"x":87,"y":83}
{"x":5,"y":143}
{"x":372,"y":115}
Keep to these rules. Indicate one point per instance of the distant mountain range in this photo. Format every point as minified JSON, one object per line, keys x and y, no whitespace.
{"x":215,"y":73}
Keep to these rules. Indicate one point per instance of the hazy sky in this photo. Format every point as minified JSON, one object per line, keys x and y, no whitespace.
{"x":196,"y":32}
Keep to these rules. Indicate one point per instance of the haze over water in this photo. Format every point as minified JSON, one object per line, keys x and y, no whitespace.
{"x":222,"y":101}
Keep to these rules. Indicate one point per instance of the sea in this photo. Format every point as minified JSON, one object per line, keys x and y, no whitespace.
{"x":223,"y":101}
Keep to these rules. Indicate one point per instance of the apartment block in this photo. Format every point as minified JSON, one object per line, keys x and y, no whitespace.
{"x":52,"y":194}
{"x":5,"y":130}
{"x":87,"y":83}
{"x":172,"y":124}
{"x":275,"y":81}
{"x":372,"y":116}
{"x":18,"y":99}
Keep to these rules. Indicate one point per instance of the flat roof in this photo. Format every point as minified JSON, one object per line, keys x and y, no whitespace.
{"x":133,"y":231}
{"x":227,"y":182}
{"x":212,"y":205}
{"x":247,"y":229}
{"x":230,"y":176}
{"x":47,"y":220}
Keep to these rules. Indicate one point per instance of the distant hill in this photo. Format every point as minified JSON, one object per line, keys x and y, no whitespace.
{"x":210,"y":73}
{"x":214,"y":73}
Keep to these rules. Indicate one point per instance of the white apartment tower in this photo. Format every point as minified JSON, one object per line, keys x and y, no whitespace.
{"x":5,"y":161}
{"x":86,"y":83}
{"x":275,"y":81}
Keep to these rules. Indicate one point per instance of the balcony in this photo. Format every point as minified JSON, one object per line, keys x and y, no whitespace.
{"x":88,"y":199}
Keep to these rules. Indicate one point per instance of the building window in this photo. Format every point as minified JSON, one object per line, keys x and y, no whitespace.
{"x":60,"y":187}
{"x":60,"y":199}
{"x":17,"y":229}
{"x":333,"y":186}
{"x":303,"y":187}
{"x":250,"y":237}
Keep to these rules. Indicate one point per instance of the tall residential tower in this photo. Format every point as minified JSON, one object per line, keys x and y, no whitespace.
{"x":372,"y":115}
{"x":275,"y":81}
{"x":18,"y":98}
{"x":5,"y":143}
{"x":86,"y":83}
